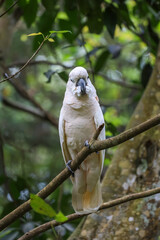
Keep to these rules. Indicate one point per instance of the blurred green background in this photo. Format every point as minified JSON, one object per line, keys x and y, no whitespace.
{"x":116,"y":41}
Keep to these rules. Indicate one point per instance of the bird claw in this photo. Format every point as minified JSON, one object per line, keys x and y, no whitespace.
{"x":69,"y":168}
{"x":86,"y":144}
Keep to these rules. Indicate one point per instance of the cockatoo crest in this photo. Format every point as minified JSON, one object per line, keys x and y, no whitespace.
{"x":79,"y":83}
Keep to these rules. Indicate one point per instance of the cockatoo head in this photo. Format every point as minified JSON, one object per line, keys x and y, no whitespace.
{"x":79,"y":83}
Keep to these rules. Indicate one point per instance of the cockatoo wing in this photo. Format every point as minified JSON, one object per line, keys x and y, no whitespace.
{"x":99,"y":120}
{"x":63,"y":139}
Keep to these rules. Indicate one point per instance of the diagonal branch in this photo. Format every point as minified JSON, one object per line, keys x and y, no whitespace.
{"x":25,"y":94}
{"x":27,"y":109}
{"x":1,"y":15}
{"x":46,"y":191}
{"x":25,"y":65}
{"x":126,"y":135}
{"x":46,"y":226}
{"x":37,"y":62}
{"x":62,"y":176}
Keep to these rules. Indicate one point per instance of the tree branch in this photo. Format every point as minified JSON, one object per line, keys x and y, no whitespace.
{"x":94,"y":147}
{"x":120,"y":83}
{"x":45,"y":62}
{"x":24,"y":93}
{"x":46,"y":191}
{"x":126,"y":135}
{"x":27,"y":109}
{"x":46,"y":226}
{"x":25,"y":65}
{"x":8,"y":8}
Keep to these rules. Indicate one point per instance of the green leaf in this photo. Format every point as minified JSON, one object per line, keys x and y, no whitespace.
{"x":63,"y":75}
{"x":23,"y":3}
{"x":63,"y":31}
{"x":110,"y":19}
{"x":40,"y":206}
{"x":49,"y":5}
{"x":34,"y":34}
{"x":6,"y":232}
{"x":67,"y":24}
{"x":94,"y":22}
{"x":124,"y":16}
{"x":14,"y":191}
{"x":45,"y":22}
{"x":100,"y":62}
{"x":2,"y":179}
{"x":30,"y":12}
{"x":145,"y":74}
{"x":60,"y":217}
{"x":50,"y":39}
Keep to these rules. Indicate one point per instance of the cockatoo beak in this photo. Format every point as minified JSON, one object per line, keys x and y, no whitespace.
{"x":82,"y":83}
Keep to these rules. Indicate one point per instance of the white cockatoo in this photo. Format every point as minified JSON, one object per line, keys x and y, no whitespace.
{"x":80,"y":116}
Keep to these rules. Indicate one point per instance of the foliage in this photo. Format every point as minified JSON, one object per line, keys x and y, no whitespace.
{"x":40,"y":206}
{"x":115,"y":39}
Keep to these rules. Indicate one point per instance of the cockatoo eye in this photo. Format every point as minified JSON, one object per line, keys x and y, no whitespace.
{"x":72,"y":80}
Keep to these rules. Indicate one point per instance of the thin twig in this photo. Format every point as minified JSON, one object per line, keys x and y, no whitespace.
{"x":120,"y":83}
{"x":9,"y":8}
{"x":25,"y":65}
{"x":46,"y":226}
{"x":46,"y":62}
{"x":62,"y":176}
{"x":37,"y":62}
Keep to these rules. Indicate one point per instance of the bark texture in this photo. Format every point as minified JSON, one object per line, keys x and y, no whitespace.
{"x":135,"y":167}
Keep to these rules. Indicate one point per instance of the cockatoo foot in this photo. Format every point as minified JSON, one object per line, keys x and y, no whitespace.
{"x":69,"y":168}
{"x":86,"y":144}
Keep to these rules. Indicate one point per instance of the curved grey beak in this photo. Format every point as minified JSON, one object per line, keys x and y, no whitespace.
{"x":82,"y":83}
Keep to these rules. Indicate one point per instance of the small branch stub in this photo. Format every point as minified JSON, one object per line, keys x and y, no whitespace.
{"x":97,"y":132}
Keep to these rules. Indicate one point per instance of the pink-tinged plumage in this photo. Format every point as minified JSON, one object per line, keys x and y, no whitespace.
{"x":80,"y":116}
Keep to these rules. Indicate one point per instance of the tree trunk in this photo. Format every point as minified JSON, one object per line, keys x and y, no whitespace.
{"x":135,"y":167}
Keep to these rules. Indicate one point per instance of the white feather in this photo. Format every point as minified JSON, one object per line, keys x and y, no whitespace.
{"x":80,"y":116}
